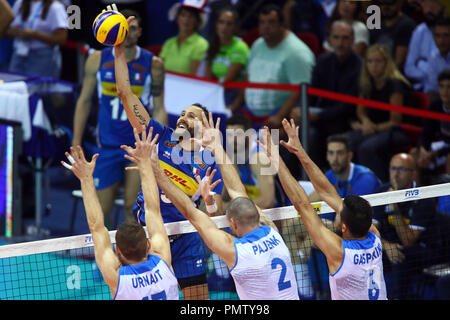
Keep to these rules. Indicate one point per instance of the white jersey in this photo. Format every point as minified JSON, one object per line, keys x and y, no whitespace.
{"x":360,"y":276}
{"x":263,"y":268}
{"x":149,"y":280}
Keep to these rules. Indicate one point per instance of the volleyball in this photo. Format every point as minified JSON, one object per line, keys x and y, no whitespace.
{"x":110,"y":28}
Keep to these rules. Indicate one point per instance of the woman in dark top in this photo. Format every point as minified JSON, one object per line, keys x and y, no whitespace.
{"x":376,"y":133}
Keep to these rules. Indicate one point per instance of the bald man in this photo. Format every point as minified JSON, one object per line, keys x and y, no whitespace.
{"x":407,"y":229}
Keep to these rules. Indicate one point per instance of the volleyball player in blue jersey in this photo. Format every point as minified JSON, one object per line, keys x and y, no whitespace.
{"x":182,"y":162}
{"x":140,"y":269}
{"x":113,"y":129}
{"x":354,"y":253}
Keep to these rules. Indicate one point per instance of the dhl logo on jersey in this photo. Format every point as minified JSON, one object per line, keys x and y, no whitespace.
{"x":181,"y":180}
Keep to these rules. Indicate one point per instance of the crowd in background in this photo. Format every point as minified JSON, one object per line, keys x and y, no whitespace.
{"x":324,"y":43}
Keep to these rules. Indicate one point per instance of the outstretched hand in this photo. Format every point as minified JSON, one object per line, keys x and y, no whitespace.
{"x":208,"y":134}
{"x":80,"y":167}
{"x":113,"y":7}
{"x":205,"y":185}
{"x":293,"y":145}
{"x":266,"y":143}
{"x":144,"y":148}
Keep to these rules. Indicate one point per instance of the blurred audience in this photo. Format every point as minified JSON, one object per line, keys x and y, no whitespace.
{"x":377,"y":132}
{"x":279,"y":57}
{"x":395,"y":32}
{"x":184,"y":52}
{"x":354,"y":14}
{"x":433,"y":150}
{"x":422,"y":43}
{"x":407,"y":229}
{"x":39,"y":28}
{"x":439,"y":58}
{"x":336,"y":71}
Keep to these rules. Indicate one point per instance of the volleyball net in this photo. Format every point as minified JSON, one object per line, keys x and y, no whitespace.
{"x":65,"y":268}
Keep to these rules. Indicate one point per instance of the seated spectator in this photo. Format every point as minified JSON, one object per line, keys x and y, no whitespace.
{"x":305,"y":16}
{"x":249,"y":162}
{"x":421,"y":44}
{"x":395,"y":32}
{"x":439,"y":58}
{"x":39,"y":28}
{"x":184,"y":52}
{"x":352,"y":12}
{"x":377,"y":131}
{"x":407,"y":230}
{"x":344,"y":175}
{"x":278,"y":56}
{"x":336,"y":71}
{"x":433,"y":150}
{"x":226,"y":58}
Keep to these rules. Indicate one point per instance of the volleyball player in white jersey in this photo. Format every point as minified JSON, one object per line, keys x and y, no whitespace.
{"x":257,"y":257}
{"x":354,"y":255}
{"x":141,"y":270}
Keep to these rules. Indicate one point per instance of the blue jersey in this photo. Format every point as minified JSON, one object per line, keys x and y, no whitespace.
{"x":181,"y":167}
{"x":361,"y":181}
{"x":149,"y":280}
{"x":114,"y":129}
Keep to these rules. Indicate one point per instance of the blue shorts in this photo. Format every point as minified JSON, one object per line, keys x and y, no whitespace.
{"x":188,"y":255}
{"x":110,"y":166}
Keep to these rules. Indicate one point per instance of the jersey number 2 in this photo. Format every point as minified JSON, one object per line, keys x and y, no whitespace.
{"x":282,"y":284}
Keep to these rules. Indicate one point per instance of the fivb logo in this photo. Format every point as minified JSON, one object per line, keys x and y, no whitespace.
{"x":374,"y":16}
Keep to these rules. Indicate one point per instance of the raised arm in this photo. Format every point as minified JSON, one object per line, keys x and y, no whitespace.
{"x":329,"y":242}
{"x":107,"y":261}
{"x":220,"y":242}
{"x":211,"y":139}
{"x":136,"y":112}
{"x":157,"y":233}
{"x":321,"y":184}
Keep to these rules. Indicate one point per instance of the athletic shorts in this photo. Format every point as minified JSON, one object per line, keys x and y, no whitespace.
{"x":110,"y":166}
{"x":188,"y":256}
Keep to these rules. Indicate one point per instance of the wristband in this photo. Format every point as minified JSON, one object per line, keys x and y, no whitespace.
{"x":212,"y":208}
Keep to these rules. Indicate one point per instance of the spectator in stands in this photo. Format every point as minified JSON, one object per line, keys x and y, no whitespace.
{"x":422,"y":44}
{"x":226,"y":58}
{"x":439,"y":58}
{"x":39,"y":28}
{"x":407,"y":230}
{"x":377,"y":131}
{"x":184,"y":52}
{"x":249,"y":161}
{"x":305,"y":16}
{"x":346,"y":176}
{"x":395,"y":32}
{"x":352,"y":12}
{"x":278,"y":56}
{"x":433,"y":150}
{"x":336,"y":71}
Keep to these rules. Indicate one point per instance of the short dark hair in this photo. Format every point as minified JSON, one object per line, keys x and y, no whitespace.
{"x":241,"y":120}
{"x":357,"y":215}
{"x":243,"y":210}
{"x":192,"y":10}
{"x":442,"y":22}
{"x":444,"y":75}
{"x":341,"y":138}
{"x":131,"y":240}
{"x":129,"y":12}
{"x":268,"y":8}
{"x":204,"y":108}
